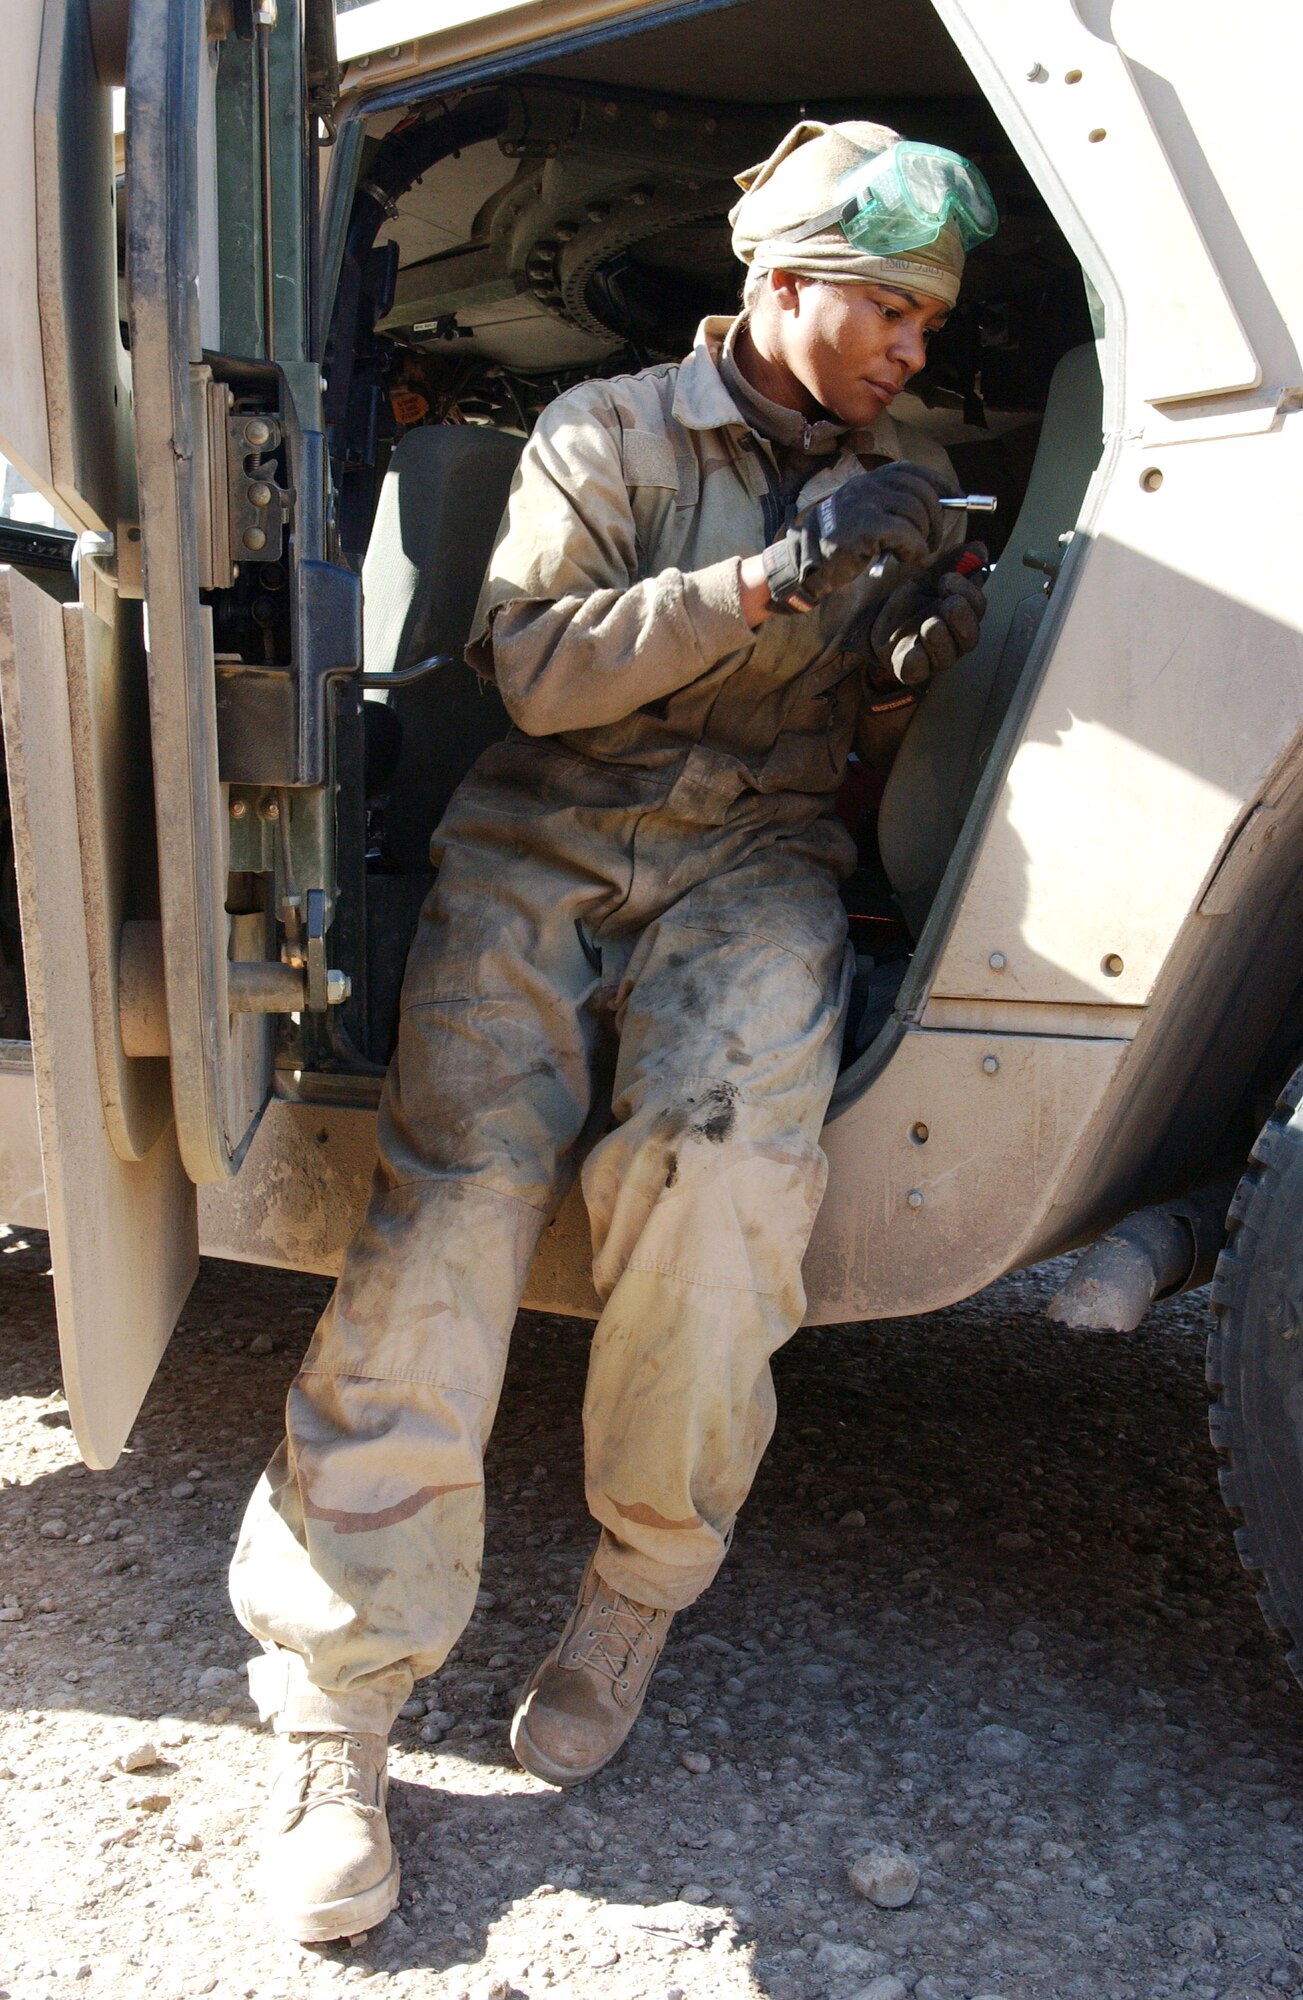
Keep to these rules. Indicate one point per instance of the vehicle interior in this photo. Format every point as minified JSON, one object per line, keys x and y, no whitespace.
{"x":504,"y":235}
{"x":520,"y":232}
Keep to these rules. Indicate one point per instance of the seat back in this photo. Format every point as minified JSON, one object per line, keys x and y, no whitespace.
{"x":440,"y":505}
{"x":936,"y":773}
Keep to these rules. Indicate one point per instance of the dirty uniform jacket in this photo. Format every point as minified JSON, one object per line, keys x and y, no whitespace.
{"x":611,"y":614}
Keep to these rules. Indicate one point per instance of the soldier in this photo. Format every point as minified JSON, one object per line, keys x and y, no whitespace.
{"x":640,"y":883}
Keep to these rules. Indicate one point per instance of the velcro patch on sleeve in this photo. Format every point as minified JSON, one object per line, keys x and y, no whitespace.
{"x":649,"y":460}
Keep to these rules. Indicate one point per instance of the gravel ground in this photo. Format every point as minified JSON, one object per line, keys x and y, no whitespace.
{"x":983,"y":1610}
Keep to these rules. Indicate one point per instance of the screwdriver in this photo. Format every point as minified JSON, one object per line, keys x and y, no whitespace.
{"x":976,"y":503}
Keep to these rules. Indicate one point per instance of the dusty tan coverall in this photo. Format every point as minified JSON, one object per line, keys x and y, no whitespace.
{"x":636,"y":934}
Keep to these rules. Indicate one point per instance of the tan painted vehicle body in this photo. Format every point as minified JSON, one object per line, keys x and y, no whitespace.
{"x":1115,"y":939}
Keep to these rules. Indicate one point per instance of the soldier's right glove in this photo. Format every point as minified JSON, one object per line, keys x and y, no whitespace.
{"x":890,"y":511}
{"x":930,"y":619}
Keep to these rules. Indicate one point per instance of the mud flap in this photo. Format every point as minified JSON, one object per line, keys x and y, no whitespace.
{"x":123,"y":1232}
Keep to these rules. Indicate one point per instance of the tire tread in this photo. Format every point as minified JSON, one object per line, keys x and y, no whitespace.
{"x":1275,"y":1148}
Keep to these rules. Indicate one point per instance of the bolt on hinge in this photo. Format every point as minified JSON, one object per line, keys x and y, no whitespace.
{"x":258,"y":507}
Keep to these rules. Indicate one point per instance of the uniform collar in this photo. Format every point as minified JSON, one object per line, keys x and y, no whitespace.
{"x":702,"y":401}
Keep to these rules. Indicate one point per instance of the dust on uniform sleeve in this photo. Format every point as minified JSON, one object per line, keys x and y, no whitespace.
{"x":574,"y":636}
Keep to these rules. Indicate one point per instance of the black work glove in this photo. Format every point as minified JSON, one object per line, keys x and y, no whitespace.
{"x":890,"y":511}
{"x":929,"y":621}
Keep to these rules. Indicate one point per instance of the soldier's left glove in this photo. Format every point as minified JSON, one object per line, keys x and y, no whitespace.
{"x":929,"y":621}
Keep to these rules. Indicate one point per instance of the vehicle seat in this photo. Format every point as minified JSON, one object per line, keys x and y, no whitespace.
{"x":440,"y":505}
{"x":936,"y":772}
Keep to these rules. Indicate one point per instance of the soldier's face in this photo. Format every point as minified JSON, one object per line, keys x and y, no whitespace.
{"x":852,"y":347}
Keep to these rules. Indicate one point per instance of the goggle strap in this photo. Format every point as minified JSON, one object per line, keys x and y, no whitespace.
{"x":842,"y":213}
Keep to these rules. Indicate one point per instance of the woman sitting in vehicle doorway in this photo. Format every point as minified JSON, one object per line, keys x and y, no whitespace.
{"x":686,"y":621}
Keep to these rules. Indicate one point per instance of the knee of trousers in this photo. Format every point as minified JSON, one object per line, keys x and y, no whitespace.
{"x":705,"y":1188}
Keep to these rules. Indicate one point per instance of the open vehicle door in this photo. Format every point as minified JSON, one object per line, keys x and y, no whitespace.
{"x":166,"y":731}
{"x":120,"y":1209}
{"x":248,"y":622}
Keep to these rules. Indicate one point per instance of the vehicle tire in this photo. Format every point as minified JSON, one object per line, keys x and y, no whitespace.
{"x":1255,"y":1368}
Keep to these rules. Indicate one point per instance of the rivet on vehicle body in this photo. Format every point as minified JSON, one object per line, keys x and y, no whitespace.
{"x":269,"y":808}
{"x":1112,"y":965}
{"x":919,"y":1133}
{"x":254,"y":538}
{"x":239,"y":807}
{"x":1151,"y":479}
{"x":1097,"y":134}
{"x":257,"y":432}
{"x":990,"y":1064}
{"x":1037,"y":73}
{"x":914,"y":1199}
{"x":1072,"y":76}
{"x":260,"y":494}
{"x":997,"y":961}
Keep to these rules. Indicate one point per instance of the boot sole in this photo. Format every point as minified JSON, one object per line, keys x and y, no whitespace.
{"x":318,"y":1923}
{"x":531,"y":1759}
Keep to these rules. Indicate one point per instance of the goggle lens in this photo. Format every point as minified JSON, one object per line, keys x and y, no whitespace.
{"x":902,"y":199}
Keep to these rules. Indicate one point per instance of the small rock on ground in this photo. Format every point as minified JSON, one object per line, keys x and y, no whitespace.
{"x":886,"y":1877}
{"x":138,"y":1756}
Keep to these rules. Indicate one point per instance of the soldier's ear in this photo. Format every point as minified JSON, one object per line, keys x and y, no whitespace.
{"x":787,"y":287}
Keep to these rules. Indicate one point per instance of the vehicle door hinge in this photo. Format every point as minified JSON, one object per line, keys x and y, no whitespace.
{"x":105,"y":566}
{"x":241,"y":507}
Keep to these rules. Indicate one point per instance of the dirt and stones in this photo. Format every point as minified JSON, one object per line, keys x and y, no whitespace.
{"x":983,"y":1612}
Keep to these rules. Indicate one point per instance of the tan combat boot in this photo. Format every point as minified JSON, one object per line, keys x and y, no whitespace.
{"x":328,"y":1867}
{"x":580,"y":1703}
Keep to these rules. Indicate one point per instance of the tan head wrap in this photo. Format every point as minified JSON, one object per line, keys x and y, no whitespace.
{"x":797,"y":182}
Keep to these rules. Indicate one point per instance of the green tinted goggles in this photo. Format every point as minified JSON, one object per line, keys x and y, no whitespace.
{"x":902,"y":199}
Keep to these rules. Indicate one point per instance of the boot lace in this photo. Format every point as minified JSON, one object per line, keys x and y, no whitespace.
{"x":617,"y":1630}
{"x":328,"y":1771}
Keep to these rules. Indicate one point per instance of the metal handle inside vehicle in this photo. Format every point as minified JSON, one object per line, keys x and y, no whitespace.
{"x":402,"y":677}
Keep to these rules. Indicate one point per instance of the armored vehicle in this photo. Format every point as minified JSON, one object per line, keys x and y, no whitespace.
{"x":270,"y":357}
